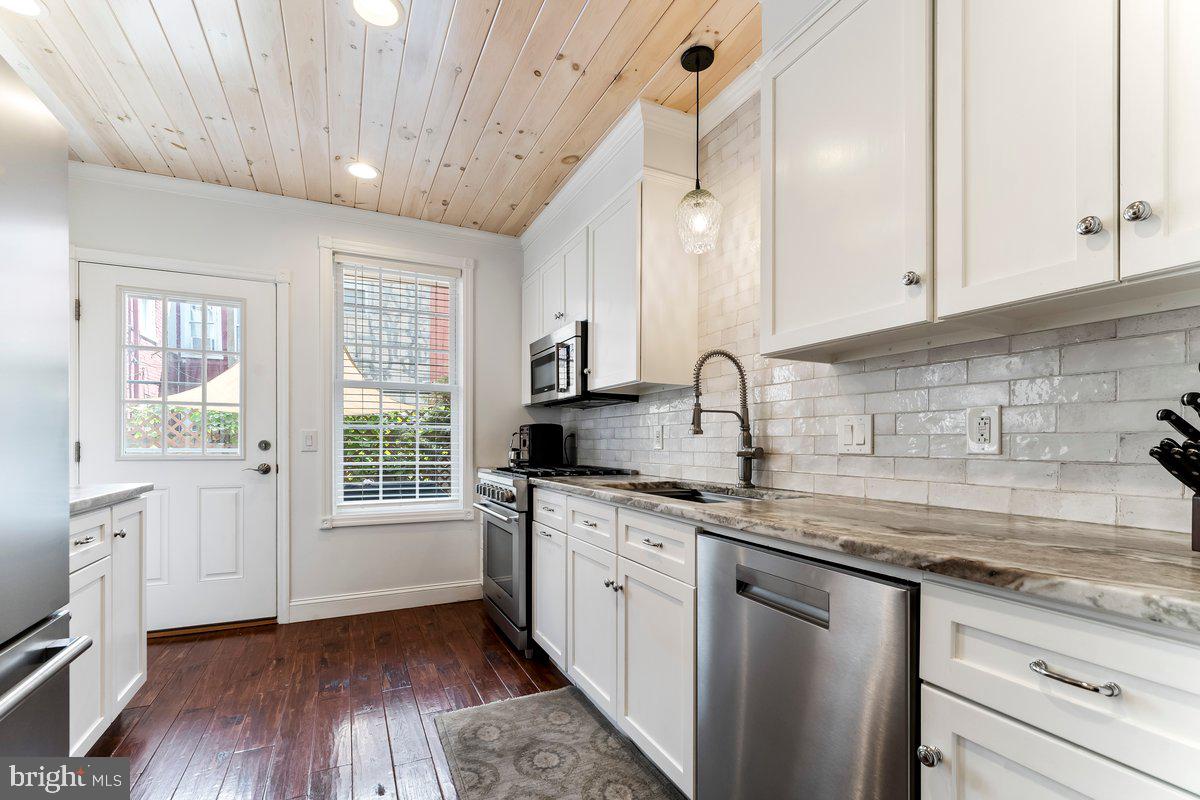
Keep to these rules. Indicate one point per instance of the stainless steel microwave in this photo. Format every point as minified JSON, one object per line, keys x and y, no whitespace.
{"x":558,"y":371}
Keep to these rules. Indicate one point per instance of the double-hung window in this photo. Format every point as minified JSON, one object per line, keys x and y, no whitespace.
{"x":398,"y":389}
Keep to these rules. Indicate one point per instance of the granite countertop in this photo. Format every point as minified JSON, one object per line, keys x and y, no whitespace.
{"x":1147,"y":575}
{"x":101,"y":495}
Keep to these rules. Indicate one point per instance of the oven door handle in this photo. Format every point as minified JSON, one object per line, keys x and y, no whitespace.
{"x":501,"y":517}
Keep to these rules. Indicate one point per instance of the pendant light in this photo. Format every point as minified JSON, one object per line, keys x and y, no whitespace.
{"x":698,"y":215}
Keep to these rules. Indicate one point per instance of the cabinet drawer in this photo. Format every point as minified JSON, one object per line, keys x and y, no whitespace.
{"x":982,"y":648}
{"x":986,"y":755}
{"x":592,"y":522}
{"x":91,"y":538}
{"x":550,"y":509}
{"x":658,"y":543}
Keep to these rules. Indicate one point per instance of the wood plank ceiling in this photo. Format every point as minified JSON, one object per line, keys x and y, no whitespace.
{"x":474,"y":111}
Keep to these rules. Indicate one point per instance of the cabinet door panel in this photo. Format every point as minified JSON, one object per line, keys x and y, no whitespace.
{"x":91,"y":615}
{"x":656,"y":646}
{"x":592,"y":622}
{"x":613,"y":324}
{"x":1025,"y":132}
{"x":575,"y":270}
{"x":550,"y":592}
{"x":553,"y":290}
{"x":846,"y":175}
{"x":1160,"y":133}
{"x":986,"y":756}
{"x":129,"y":590}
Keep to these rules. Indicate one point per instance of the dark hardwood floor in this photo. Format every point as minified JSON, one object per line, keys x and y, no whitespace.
{"x":328,"y":710}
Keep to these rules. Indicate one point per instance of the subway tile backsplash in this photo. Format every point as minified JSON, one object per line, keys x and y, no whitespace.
{"x":1078,"y":402}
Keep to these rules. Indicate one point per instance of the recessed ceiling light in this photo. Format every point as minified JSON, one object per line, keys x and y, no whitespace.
{"x":362,"y":170}
{"x":29,"y":8}
{"x":384,"y":13}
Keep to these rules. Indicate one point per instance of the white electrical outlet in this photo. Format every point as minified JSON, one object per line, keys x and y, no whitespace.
{"x":983,"y":429}
{"x":856,"y":434}
{"x":658,"y":437}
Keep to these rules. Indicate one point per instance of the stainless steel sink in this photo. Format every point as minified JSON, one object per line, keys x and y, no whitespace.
{"x":695,"y":495}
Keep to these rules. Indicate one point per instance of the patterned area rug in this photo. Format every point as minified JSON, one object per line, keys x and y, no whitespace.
{"x":549,"y":746}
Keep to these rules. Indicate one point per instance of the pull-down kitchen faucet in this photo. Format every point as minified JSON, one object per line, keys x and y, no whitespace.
{"x":747,"y":452}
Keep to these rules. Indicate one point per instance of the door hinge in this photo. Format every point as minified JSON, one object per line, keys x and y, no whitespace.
{"x":78,"y":452}
{"x":78,"y":308}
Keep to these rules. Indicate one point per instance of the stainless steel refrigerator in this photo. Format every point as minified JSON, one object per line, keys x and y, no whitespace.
{"x":35,"y":643}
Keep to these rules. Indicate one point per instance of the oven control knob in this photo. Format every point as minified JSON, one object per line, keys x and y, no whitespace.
{"x":507,"y":497}
{"x":479,"y":488}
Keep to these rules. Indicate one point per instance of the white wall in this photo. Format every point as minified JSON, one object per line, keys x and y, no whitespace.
{"x":168,"y":218}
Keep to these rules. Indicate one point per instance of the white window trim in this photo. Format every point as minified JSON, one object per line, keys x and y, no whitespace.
{"x":332,"y":517}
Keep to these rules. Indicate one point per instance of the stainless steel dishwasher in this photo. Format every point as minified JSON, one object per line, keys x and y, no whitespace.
{"x":807,"y":684}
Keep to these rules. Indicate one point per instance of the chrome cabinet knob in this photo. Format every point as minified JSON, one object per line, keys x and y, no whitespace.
{"x":609,"y":584}
{"x":617,"y":587}
{"x":559,"y":314}
{"x":1137,"y":211}
{"x":910,"y":278}
{"x":121,"y":534}
{"x":1089,"y":226}
{"x":929,"y":756}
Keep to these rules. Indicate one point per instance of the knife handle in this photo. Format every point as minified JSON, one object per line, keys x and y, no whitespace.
{"x":1191,"y":400}
{"x":1185,"y":428}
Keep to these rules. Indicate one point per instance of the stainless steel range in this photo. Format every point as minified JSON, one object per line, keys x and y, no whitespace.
{"x":503,"y":497}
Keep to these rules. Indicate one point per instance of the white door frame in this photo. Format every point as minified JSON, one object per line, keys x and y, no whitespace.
{"x":282,"y":282}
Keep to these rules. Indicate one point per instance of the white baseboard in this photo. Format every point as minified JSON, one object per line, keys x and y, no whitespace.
{"x":341,"y":605}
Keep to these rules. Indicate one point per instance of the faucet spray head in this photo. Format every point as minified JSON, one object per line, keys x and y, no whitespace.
{"x":696,"y":412}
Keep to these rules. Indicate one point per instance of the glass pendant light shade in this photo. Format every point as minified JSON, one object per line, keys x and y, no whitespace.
{"x":698,"y":219}
{"x":698,"y":215}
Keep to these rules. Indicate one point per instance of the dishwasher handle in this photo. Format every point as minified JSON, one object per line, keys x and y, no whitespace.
{"x":805,"y":603}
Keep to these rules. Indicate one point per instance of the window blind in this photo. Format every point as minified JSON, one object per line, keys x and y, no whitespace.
{"x":398,"y":396}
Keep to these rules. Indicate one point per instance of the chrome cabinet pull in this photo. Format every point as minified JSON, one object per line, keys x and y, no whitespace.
{"x":929,"y":756}
{"x":651,"y":543}
{"x":544,"y":535}
{"x":84,"y":540}
{"x":1109,"y":689}
{"x":548,"y":509}
{"x":559,"y":314}
{"x":910,"y":278}
{"x":1137,"y":211}
{"x":1089,"y":226}
{"x":121,"y":534}
{"x":588,"y":523}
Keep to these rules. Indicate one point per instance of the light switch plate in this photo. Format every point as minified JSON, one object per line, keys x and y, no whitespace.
{"x":308,"y":441}
{"x":856,"y":434}
{"x":658,"y":437}
{"x":983,"y":429}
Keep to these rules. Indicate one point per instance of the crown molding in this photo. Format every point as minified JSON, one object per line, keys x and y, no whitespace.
{"x":284,"y":205}
{"x":730,"y":99}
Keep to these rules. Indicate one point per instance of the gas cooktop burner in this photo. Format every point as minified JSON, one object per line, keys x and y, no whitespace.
{"x":560,"y":472}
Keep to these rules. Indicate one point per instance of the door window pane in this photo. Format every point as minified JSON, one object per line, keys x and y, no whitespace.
{"x":182,"y":376}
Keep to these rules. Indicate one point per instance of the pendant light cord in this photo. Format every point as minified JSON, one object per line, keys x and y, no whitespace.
{"x":697,"y":130}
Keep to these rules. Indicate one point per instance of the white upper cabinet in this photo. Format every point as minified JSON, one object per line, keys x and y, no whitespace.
{"x":553,"y":290}
{"x":846,"y":176}
{"x":575,"y":280}
{"x":1160,"y":135}
{"x":1026,"y":150}
{"x":613,"y":323}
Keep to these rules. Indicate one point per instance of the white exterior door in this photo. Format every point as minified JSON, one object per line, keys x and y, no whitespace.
{"x":1160,"y":134}
{"x":656,"y":672}
{"x":846,"y":176}
{"x":177,"y":388}
{"x":592,"y":622}
{"x":1025,"y":132}
{"x":988,"y":756}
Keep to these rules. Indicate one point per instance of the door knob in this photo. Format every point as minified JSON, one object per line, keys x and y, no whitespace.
{"x":910,"y":278}
{"x":262,"y":469}
{"x":929,"y":756}
{"x":1137,"y":211}
{"x":1089,"y":225}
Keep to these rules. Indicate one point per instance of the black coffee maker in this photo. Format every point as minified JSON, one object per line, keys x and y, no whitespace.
{"x":538,"y":444}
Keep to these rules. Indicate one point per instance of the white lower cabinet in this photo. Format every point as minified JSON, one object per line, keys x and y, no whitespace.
{"x":987,"y":756}
{"x":656,"y":676}
{"x":108,"y":604}
{"x":550,"y":592}
{"x":592,"y":622}
{"x":91,"y":607}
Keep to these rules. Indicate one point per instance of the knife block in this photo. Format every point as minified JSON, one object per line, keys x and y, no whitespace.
{"x":1196,"y":523}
